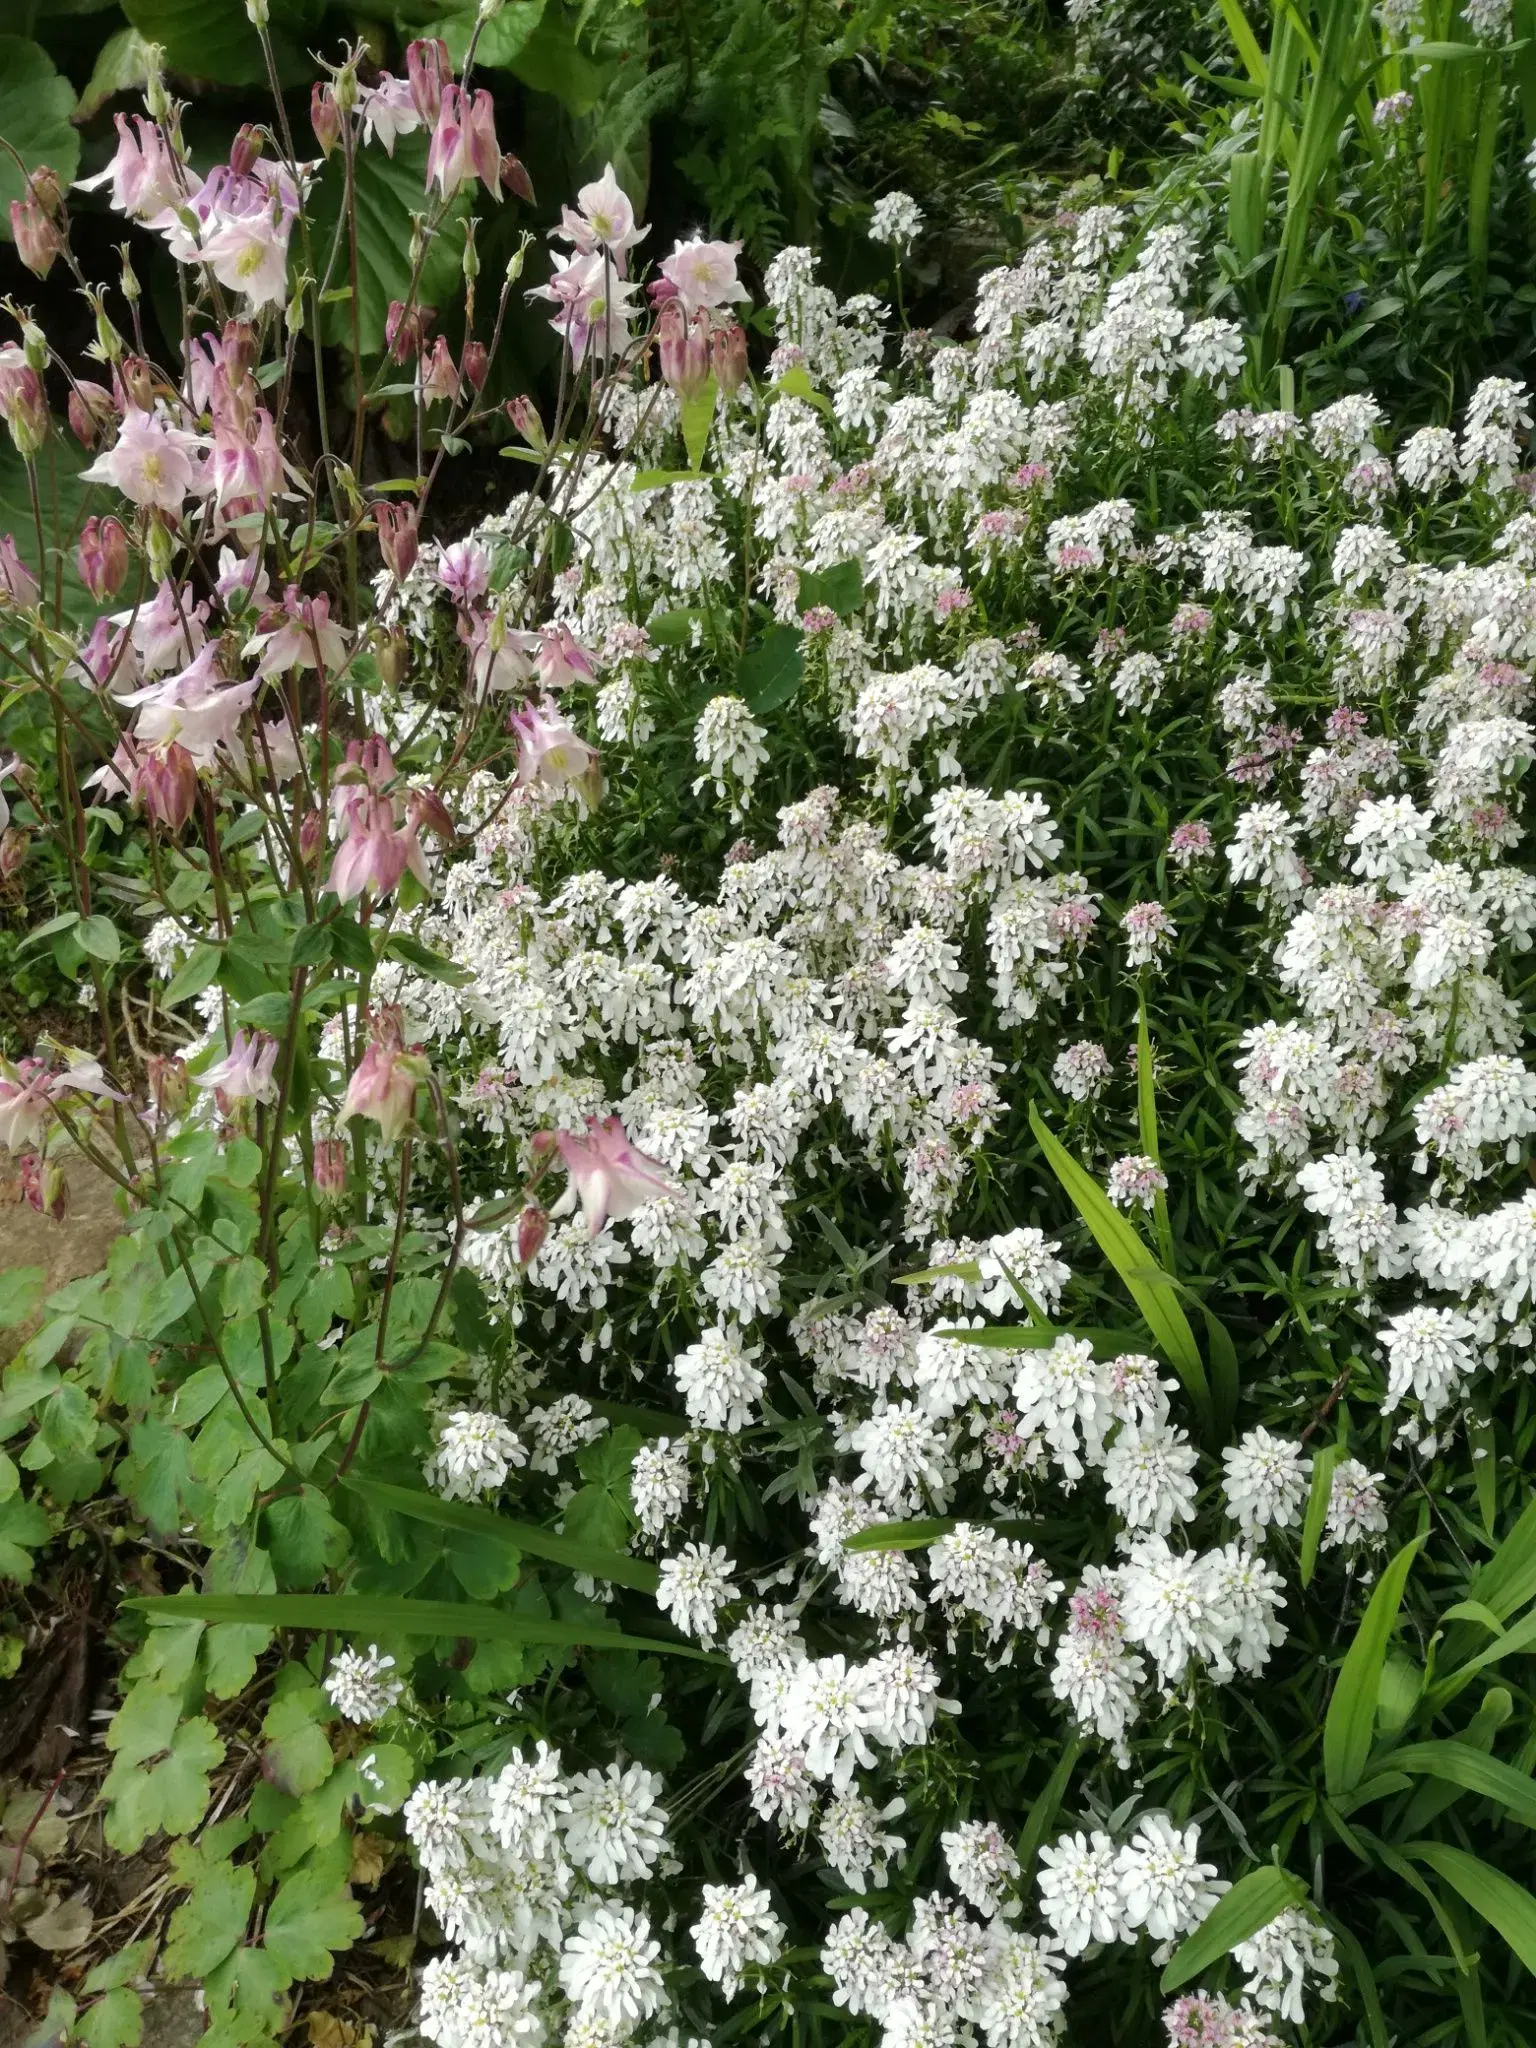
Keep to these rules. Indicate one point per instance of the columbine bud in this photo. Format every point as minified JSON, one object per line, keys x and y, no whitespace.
{"x":439,"y":378}
{"x":156,"y":98}
{"x":728,"y":356}
{"x":428,"y":69}
{"x":514,"y":175}
{"x":475,"y":363}
{"x":169,"y":1087}
{"x":138,"y":382}
{"x":330,"y":1169}
{"x":383,"y":1087}
{"x":14,"y":845}
{"x":18,"y":586}
{"x":324,"y":116}
{"x":23,"y":403}
{"x":393,"y":654}
{"x":245,"y":149}
{"x":39,"y":243}
{"x":406,"y":329}
{"x":102,"y":557}
{"x":34,"y":345}
{"x":532,"y":1229}
{"x":524,"y":415}
{"x":683,"y":346}
{"x":311,"y":835}
{"x":165,"y":782}
{"x":159,"y":545}
{"x":90,"y":411}
{"x":399,"y":536}
{"x":257,"y":10}
{"x":132,"y":289}
{"x":518,"y":258}
{"x":43,"y":1186}
{"x":345,"y":87}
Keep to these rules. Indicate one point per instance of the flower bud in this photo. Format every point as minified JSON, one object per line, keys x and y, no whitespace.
{"x":311,"y":835}
{"x":129,"y":278}
{"x":471,"y":252}
{"x":156,"y":98}
{"x":428,"y":69}
{"x":23,"y":404}
{"x":532,"y":1229}
{"x":399,"y":536}
{"x":44,"y":189}
{"x":406,"y":329}
{"x":393,"y":654}
{"x":475,"y":363}
{"x":514,"y":175}
{"x":18,"y":586}
{"x":165,"y":782}
{"x":728,"y":356}
{"x":43,"y":1186}
{"x":524,"y":415}
{"x":14,"y":847}
{"x":34,"y":345}
{"x":90,"y":411}
{"x":138,"y":382}
{"x":324,"y":116}
{"x":109,"y":343}
{"x":159,"y":545}
{"x":169,"y":1087}
{"x":345,"y":87}
{"x":245,"y":149}
{"x":257,"y":10}
{"x":331,"y":1169}
{"x":102,"y":557}
{"x":683,"y":345}
{"x":519,"y":257}
{"x":439,"y":378}
{"x":39,"y":243}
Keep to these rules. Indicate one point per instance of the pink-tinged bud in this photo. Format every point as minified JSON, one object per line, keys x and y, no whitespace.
{"x":169,"y":1087}
{"x":165,"y":783}
{"x":39,"y":243}
{"x":91,"y":412}
{"x":43,"y":1186}
{"x":399,"y":536}
{"x":683,"y":346}
{"x":406,"y":329}
{"x":728,"y":356}
{"x":439,"y":378}
{"x":23,"y":402}
{"x":18,"y":586}
{"x":15,"y":844}
{"x":532,"y":1229}
{"x":311,"y":835}
{"x":543,"y":1147}
{"x":245,"y":149}
{"x":393,"y":654}
{"x":324,"y":116}
{"x":514,"y":175}
{"x":44,"y":189}
{"x":330,"y":1169}
{"x":102,"y":557}
{"x":524,"y":415}
{"x":475,"y":363}
{"x":428,"y":70}
{"x":425,"y":808}
{"x":138,"y":382}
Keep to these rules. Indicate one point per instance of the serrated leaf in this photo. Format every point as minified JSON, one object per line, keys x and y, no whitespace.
{"x":1351,"y":1718}
{"x":309,"y":1919}
{"x":522,"y":1538}
{"x":170,"y":1796}
{"x":1252,"y":1903}
{"x":24,"y":1527}
{"x":361,"y":1614}
{"x":21,"y":1294}
{"x":297,"y":1756}
{"x":209,"y":1924}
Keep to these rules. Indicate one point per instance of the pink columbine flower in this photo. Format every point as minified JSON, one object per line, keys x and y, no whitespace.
{"x":248,"y":252}
{"x":144,"y":175}
{"x":18,"y":586}
{"x":294,"y":635}
{"x":703,"y":274}
{"x":196,"y":707}
{"x":593,"y":306}
{"x":399,"y":536}
{"x":151,"y":462}
{"x":427,"y":71}
{"x":562,"y":659}
{"x":388,"y":110}
{"x":464,"y":145}
{"x":464,"y":570}
{"x":606,"y":221}
{"x":376,"y":852}
{"x":383,"y":1087}
{"x":552,"y":755}
{"x":500,"y":656}
{"x":23,"y":401}
{"x":165,"y":784}
{"x":608,"y":1176}
{"x":247,"y":1071}
{"x":30,"y":1088}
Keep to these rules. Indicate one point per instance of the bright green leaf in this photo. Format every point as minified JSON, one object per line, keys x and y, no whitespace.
{"x":1252,"y":1903}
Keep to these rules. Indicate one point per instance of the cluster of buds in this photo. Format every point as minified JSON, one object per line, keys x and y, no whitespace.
{"x":693,"y":347}
{"x":382,"y":823}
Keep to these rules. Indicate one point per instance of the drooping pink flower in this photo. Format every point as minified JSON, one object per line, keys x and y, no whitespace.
{"x":165,"y":784}
{"x":246,"y":1073}
{"x":501,"y":657}
{"x":245,"y":469}
{"x":551,"y":754}
{"x":682,"y":346}
{"x":608,"y":1176}
{"x":703,"y":274}
{"x":196,"y":707}
{"x":606,"y":220}
{"x":562,"y":659}
{"x":23,"y":401}
{"x":383,"y":1086}
{"x":464,"y":145}
{"x":102,"y":556}
{"x":143,"y":174}
{"x":39,"y":242}
{"x":376,"y":852}
{"x":439,"y":375}
{"x":18,"y":586}
{"x":30,"y":1088}
{"x":152,"y":462}
{"x":298,"y":633}
{"x":166,"y":631}
{"x":427,"y":70}
{"x":91,"y":411}
{"x":399,"y":530}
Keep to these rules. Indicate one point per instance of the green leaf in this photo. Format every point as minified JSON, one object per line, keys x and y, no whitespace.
{"x":115,"y":2021}
{"x":203,"y":38}
{"x":389,"y":191}
{"x":1317,"y":1509}
{"x":98,"y":936}
{"x":1508,"y":1580}
{"x":209,"y":1923}
{"x":311,"y":1917}
{"x":193,"y":975}
{"x":675,"y":629}
{"x":840,"y":589}
{"x":304,"y":1538}
{"x":658,"y":479}
{"x":771,"y":672}
{"x":297,"y":1757}
{"x":915,"y":1535}
{"x":698,"y":416}
{"x":35,"y":106}
{"x":1252,"y":1903}
{"x":366,"y":1614}
{"x":524,"y":1538}
{"x":436,"y":967}
{"x":1351,"y":1720}
{"x":1151,"y":1289}
{"x":170,"y":1796}
{"x":796,"y":383}
{"x":503,"y":38}
{"x":21,"y":1294}
{"x":122,"y":62}
{"x":1456,"y":1763}
{"x":24,"y":1527}
{"x":1504,"y":1904}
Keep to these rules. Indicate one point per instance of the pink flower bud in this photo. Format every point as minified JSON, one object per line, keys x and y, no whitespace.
{"x":532,"y":1229}
{"x":23,"y":402}
{"x":383,"y":1087}
{"x":439,"y":378}
{"x":399,"y":536}
{"x":406,"y":329}
{"x":524,"y":415}
{"x":728,"y":356}
{"x":138,"y":382}
{"x":428,"y":69}
{"x":102,"y":557}
{"x":91,"y":411}
{"x":165,"y":783}
{"x":311,"y":835}
{"x":43,"y":1187}
{"x":245,"y":150}
{"x":18,"y":586}
{"x":330,"y":1168}
{"x":475,"y":363}
{"x":324,"y":116}
{"x":683,"y":345}
{"x":39,"y":243}
{"x":514,"y":175}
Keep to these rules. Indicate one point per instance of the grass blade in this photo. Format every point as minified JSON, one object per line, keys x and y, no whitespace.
{"x":1504,"y":1904}
{"x":1252,"y":1903}
{"x":1351,"y":1721}
{"x":464,"y":1518}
